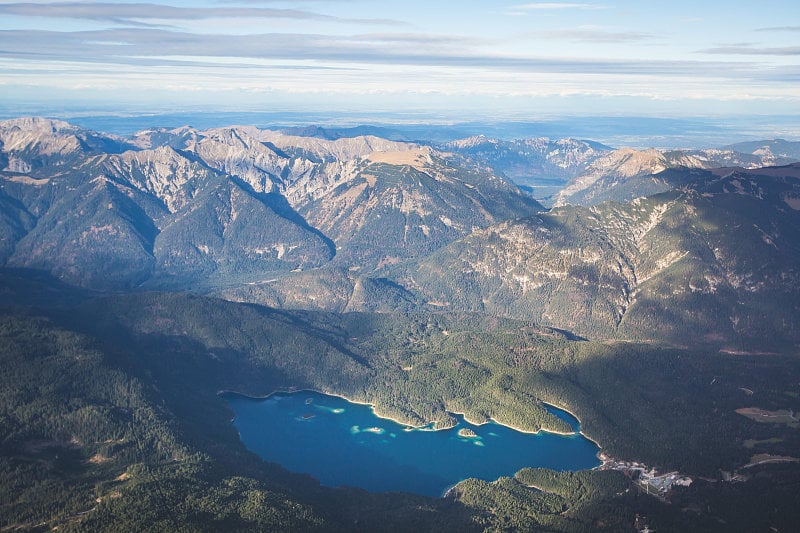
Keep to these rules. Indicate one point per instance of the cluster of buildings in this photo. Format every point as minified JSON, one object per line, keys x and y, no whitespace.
{"x":647,"y":479}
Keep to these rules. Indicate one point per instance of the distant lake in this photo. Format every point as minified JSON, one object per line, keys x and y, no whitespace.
{"x":342,"y":443}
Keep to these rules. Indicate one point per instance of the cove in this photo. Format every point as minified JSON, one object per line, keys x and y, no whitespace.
{"x":342,"y":443}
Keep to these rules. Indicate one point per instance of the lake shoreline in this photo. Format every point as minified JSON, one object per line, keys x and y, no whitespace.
{"x":580,"y":424}
{"x":424,"y":427}
{"x":335,"y":395}
{"x":511,"y":426}
{"x":515,"y":449}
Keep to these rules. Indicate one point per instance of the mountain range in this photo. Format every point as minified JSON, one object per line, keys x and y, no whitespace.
{"x":657,"y":299}
{"x":365,"y":223}
{"x":172,"y":206}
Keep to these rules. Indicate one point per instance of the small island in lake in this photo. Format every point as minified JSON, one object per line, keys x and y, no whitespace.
{"x":467,"y":433}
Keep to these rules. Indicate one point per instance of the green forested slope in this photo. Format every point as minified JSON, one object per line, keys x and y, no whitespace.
{"x":135,"y":393}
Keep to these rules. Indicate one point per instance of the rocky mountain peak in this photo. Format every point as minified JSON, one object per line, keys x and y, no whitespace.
{"x":627,"y":162}
{"x":162,"y":172}
{"x":40,"y":136}
{"x":175,"y":137}
{"x":324,"y":150}
{"x":40,"y":124}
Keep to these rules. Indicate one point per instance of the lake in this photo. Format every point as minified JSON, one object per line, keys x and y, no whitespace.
{"x":342,"y":443}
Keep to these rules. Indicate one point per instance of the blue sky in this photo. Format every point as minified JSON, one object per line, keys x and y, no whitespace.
{"x":501,"y":59}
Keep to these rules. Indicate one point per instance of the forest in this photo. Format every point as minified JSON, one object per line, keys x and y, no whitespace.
{"x":112,"y":417}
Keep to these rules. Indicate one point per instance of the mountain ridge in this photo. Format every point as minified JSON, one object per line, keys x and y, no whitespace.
{"x":236,"y":201}
{"x":668,"y":248}
{"x":367,"y":224}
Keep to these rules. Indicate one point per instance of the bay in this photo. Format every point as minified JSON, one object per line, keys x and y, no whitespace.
{"x":343,"y":443}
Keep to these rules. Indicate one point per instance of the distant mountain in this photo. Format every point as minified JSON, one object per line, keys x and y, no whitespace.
{"x":588,"y":172}
{"x":624,"y":174}
{"x":777,"y":151}
{"x":364,"y":223}
{"x":531,"y":161}
{"x":397,"y":205}
{"x":38,"y":142}
{"x":326,"y":151}
{"x":333,"y":134}
{"x":120,"y":220}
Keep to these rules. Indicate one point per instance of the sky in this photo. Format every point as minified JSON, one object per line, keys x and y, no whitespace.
{"x":504,"y":59}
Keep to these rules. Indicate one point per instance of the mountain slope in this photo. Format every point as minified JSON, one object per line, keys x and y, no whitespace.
{"x":400,"y":205}
{"x":15,"y":222}
{"x":229,"y":231}
{"x":97,"y":236}
{"x":718,"y":259}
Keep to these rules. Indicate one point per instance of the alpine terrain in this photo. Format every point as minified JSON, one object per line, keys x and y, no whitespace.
{"x":653,"y":293}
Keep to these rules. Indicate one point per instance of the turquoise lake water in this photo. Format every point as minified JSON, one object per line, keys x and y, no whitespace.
{"x":342,"y":443}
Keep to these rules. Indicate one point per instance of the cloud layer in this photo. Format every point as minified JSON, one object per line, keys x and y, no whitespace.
{"x":618,"y":49}
{"x":138,"y":13}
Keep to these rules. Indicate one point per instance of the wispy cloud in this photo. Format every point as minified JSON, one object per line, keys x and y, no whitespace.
{"x":780,"y":28}
{"x":418,"y":38}
{"x":590,"y":36}
{"x":753,"y":51}
{"x":740,"y":44}
{"x":136,"y":13}
{"x":548,"y":6}
{"x":368,"y":49}
{"x":355,"y":47}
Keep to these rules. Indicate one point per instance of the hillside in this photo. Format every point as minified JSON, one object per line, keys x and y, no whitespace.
{"x":113,"y":417}
{"x":716,"y":259}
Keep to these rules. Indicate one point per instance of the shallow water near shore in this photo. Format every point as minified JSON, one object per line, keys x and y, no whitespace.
{"x":343,"y":443}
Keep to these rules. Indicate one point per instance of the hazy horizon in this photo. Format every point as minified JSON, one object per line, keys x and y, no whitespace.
{"x":508,"y":60}
{"x":614,"y":131}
